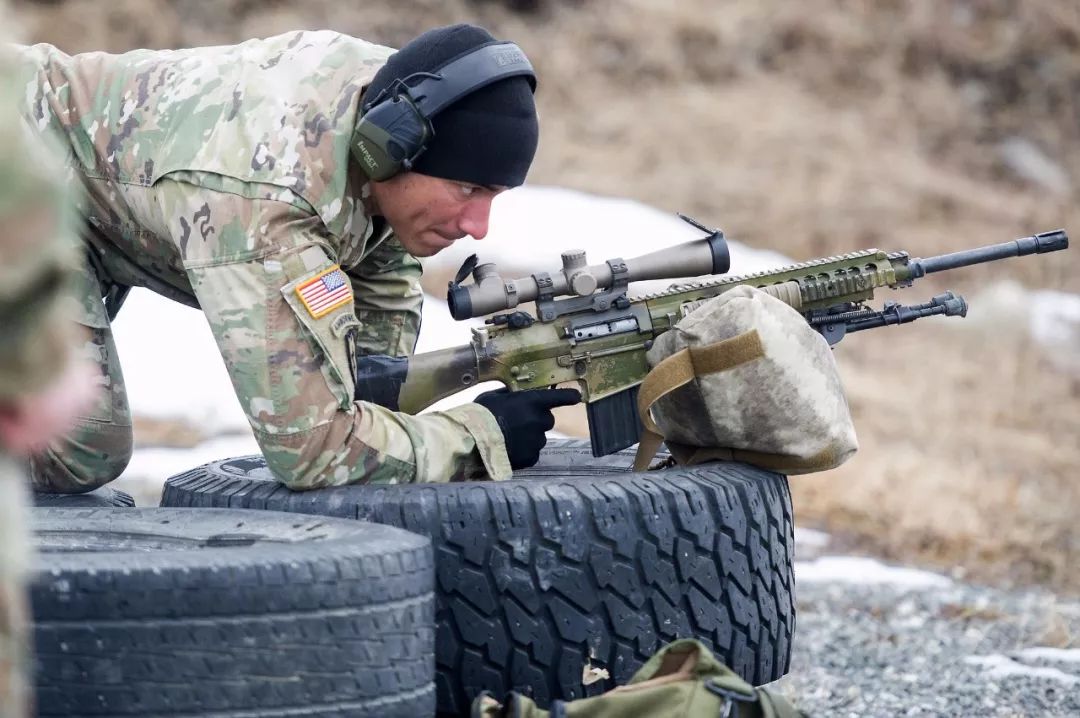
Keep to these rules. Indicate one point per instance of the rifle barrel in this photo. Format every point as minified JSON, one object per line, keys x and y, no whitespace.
{"x":1036,"y":244}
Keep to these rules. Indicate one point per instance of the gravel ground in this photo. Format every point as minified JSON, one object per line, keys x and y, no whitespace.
{"x":942,"y":648}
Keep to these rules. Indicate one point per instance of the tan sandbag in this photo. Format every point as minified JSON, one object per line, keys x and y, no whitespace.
{"x":745,"y":378}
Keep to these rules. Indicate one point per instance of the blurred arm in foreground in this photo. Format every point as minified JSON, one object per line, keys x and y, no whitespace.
{"x":43,"y":386}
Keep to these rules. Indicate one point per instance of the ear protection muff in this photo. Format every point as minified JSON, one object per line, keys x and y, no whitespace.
{"x":395,"y":126}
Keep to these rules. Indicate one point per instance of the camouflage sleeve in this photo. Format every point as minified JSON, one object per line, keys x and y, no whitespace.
{"x":388,"y":300}
{"x":37,"y":258}
{"x":280,"y":308}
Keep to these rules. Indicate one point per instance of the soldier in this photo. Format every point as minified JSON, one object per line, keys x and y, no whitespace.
{"x":42,"y":386}
{"x":287,"y":186}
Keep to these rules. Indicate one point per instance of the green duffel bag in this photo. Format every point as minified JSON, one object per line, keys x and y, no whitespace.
{"x":683,"y":680}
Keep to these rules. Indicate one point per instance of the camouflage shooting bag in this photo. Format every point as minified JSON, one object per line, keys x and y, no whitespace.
{"x":683,"y":680}
{"x":744,"y":378}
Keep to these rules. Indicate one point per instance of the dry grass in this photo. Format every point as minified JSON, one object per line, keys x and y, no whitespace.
{"x":811,"y":128}
{"x":968,"y":457}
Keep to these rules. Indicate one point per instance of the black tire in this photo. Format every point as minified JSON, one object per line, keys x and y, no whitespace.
{"x":105,"y":496}
{"x":154,"y":612}
{"x":580,"y":564}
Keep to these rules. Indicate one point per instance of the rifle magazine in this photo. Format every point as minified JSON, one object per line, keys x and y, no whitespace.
{"x":613,"y":422}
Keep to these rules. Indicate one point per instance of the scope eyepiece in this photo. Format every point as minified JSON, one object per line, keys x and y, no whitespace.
{"x":460,"y":302}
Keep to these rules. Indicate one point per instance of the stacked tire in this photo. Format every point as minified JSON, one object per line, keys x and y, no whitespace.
{"x":561,"y":583}
{"x":153,"y":612}
{"x":104,"y":496}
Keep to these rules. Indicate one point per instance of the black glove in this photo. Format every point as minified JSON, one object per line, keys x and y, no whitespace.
{"x":524,"y":416}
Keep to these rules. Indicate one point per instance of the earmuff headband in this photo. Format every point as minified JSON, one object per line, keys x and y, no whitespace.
{"x":477,"y":68}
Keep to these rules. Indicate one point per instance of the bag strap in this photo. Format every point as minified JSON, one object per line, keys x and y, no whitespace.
{"x":758,"y":703}
{"x":680,"y":369}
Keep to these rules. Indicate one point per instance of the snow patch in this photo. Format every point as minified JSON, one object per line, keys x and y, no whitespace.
{"x":856,"y":570}
{"x":150,"y":467}
{"x":1057,"y":655}
{"x":1051,"y":318}
{"x":171,"y":365}
{"x":157,"y":464}
{"x":811,"y":537}
{"x":1000,"y":666}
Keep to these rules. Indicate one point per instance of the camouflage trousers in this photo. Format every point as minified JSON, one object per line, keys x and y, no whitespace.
{"x":98,"y":449}
{"x":15,"y":680}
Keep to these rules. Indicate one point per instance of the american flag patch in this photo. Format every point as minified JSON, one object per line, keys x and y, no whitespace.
{"x":325,"y":292}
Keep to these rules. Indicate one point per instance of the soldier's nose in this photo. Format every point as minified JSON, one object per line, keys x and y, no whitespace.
{"x":475,"y":216}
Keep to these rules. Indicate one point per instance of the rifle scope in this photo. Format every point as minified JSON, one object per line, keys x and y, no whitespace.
{"x":491,"y":293}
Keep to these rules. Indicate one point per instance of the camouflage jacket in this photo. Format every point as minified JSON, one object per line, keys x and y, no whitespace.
{"x":221,"y":176}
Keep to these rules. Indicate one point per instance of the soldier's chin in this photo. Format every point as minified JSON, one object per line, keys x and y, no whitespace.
{"x":433,"y":243}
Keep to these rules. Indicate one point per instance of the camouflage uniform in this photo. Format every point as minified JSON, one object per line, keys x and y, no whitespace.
{"x":37,"y":262}
{"x":221,"y":177}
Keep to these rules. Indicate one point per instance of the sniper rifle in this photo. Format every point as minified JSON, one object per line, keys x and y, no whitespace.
{"x":588,"y":330}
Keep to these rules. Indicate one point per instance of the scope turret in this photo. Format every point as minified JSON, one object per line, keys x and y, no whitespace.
{"x":490,"y":293}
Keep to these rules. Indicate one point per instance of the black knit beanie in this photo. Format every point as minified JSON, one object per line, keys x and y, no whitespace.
{"x":489,"y":136}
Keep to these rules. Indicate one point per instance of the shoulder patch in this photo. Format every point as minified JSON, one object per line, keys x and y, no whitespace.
{"x":325,"y":292}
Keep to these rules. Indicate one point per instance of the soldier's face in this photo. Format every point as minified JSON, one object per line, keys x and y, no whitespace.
{"x":429,"y":213}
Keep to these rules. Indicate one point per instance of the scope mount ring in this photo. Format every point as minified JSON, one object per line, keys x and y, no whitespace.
{"x":550,"y":309}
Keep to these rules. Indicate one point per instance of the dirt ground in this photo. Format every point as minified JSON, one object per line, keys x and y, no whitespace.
{"x":811,"y":128}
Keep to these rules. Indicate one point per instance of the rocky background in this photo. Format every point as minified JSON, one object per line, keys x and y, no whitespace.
{"x":886,"y":641}
{"x":812,"y":128}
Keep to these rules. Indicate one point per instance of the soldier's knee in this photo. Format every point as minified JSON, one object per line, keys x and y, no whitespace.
{"x":293,"y":474}
{"x":290,"y":463}
{"x":84,"y":461}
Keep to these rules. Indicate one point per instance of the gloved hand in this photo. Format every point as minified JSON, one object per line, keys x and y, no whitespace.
{"x":524,"y":416}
